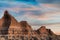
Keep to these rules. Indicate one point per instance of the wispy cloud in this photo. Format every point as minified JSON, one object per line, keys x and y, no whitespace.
{"x":36,"y":12}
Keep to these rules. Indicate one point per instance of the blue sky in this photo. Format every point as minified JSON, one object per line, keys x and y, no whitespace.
{"x":36,"y":12}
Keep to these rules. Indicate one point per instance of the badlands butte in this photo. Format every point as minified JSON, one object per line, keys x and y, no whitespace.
{"x":10,"y":26}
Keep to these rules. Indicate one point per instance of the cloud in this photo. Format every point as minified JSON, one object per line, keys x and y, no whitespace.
{"x":43,"y":13}
{"x":34,"y":1}
{"x":20,"y":0}
{"x":46,"y":12}
{"x":48,"y":1}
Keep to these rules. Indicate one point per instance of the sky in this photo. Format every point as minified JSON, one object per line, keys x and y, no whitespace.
{"x":35,"y":12}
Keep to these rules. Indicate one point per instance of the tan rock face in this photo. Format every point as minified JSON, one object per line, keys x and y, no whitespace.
{"x":8,"y":24}
{"x":26,"y":28}
{"x":43,"y":30}
{"x":14,"y":24}
{"x":14,"y":27}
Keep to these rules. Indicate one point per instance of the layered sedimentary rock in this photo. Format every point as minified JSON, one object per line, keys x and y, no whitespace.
{"x":5,"y":22}
{"x":26,"y":28}
{"x":14,"y":28}
{"x":9,"y":25}
{"x":46,"y":34}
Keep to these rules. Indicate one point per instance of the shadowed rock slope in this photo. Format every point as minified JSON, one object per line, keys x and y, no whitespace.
{"x":5,"y":22}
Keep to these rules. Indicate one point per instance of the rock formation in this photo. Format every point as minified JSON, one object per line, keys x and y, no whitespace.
{"x":46,"y":34}
{"x":26,"y":29}
{"x":5,"y":22}
{"x":9,"y":25}
{"x":14,"y":28}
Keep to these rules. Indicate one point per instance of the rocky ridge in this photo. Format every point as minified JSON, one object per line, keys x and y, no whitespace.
{"x":9,"y":25}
